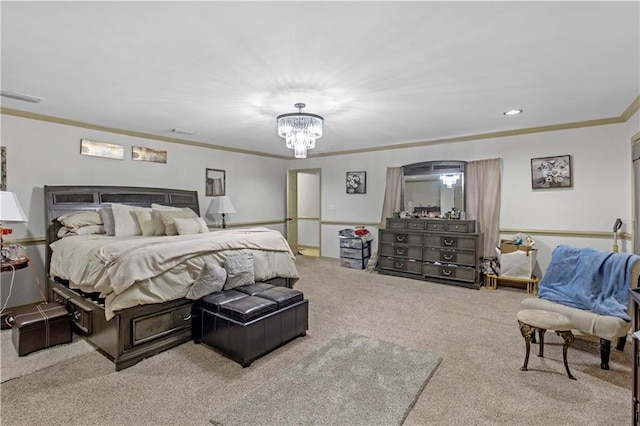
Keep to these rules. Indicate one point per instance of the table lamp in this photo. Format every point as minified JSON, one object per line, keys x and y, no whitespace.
{"x":221,"y":205}
{"x":10,"y":211}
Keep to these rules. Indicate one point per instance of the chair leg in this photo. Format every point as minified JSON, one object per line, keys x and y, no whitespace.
{"x":605,"y":350}
{"x":621,"y":342}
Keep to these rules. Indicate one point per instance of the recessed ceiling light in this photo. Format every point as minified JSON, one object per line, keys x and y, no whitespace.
{"x":183,"y":131}
{"x":513,"y":112}
{"x":20,"y":96}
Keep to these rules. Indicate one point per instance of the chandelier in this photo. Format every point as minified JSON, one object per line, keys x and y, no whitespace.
{"x":300,"y":130}
{"x":450,"y":180}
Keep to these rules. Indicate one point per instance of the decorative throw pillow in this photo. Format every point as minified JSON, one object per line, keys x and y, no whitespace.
{"x":146,"y":222}
{"x":75,"y":220}
{"x":211,"y":280}
{"x":125,"y":219}
{"x":169,"y":216}
{"x":192,"y":225}
{"x":157,"y":220}
{"x":109,"y":222}
{"x":239,"y":270}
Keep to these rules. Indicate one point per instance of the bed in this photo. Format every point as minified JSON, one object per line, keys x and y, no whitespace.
{"x":113,"y":294}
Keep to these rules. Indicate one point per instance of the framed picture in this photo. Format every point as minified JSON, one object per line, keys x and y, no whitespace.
{"x":356,"y":182}
{"x":551,"y":172}
{"x":101,"y":149}
{"x":139,"y":153}
{"x":215,"y":182}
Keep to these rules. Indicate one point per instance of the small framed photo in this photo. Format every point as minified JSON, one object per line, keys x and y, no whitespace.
{"x":356,"y":182}
{"x":102,"y":149}
{"x":551,"y":172}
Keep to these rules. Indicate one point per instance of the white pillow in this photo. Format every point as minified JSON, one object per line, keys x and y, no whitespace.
{"x":146,"y":222}
{"x":211,"y":280}
{"x":157,"y":220}
{"x":191,"y":225}
{"x":169,"y":216}
{"x":125,"y":219}
{"x":75,"y":220}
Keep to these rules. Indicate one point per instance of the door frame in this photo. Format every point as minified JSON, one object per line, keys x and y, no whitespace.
{"x":292,"y":207}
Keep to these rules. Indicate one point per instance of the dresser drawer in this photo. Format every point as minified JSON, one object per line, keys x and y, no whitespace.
{"x":435,"y":225}
{"x":416,"y":224}
{"x":460,"y":226}
{"x":412,"y":252}
{"x":396,"y":224}
{"x":462,"y":273}
{"x":401,"y":238}
{"x":450,"y":256}
{"x":450,"y":241}
{"x":404,"y":265}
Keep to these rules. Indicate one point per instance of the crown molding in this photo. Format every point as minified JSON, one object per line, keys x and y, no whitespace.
{"x":629,"y":112}
{"x":74,"y":123}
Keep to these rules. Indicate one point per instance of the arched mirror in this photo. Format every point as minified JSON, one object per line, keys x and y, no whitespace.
{"x":433,"y":188}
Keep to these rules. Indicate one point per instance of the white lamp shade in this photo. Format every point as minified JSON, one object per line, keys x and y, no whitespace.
{"x":10,"y":210}
{"x":221,"y":204}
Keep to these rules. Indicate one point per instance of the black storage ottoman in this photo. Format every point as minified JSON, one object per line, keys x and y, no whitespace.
{"x":40,"y":326}
{"x":244,"y":328}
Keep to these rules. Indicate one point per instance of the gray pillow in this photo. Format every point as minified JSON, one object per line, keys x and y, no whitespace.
{"x":239,"y":270}
{"x":211,"y":280}
{"x":108,"y":220}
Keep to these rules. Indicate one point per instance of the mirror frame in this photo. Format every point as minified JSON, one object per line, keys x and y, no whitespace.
{"x":210,"y":176}
{"x":436,"y":168}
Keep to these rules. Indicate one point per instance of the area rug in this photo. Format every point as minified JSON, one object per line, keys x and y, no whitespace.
{"x":15,"y":366}
{"x":351,"y":380}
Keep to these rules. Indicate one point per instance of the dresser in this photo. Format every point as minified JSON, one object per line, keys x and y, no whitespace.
{"x":440,"y":250}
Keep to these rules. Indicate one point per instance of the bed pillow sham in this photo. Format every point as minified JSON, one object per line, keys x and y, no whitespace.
{"x":83,"y":230}
{"x":191,"y":225}
{"x":146,"y":221}
{"x":77,"y":219}
{"x":168,"y":218}
{"x":108,"y":220}
{"x":126,"y":223}
{"x":158,"y":224}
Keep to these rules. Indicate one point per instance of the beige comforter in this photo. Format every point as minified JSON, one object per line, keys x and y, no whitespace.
{"x":131,"y":271}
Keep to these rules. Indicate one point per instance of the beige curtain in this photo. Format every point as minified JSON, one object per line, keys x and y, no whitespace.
{"x":483,"y":200}
{"x":392,"y":194}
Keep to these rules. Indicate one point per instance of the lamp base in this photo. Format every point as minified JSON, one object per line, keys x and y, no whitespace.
{"x":224,"y":224}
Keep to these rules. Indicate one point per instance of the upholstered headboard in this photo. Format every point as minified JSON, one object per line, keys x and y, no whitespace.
{"x":66,"y":199}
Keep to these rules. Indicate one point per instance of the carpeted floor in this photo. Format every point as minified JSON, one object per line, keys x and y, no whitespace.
{"x":352,"y":379}
{"x":475,"y":332}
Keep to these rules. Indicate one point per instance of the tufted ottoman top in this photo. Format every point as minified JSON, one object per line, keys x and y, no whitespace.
{"x":544,"y":319}
{"x":248,"y":308}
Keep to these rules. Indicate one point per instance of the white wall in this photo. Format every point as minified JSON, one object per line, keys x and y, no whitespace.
{"x":41,"y":153}
{"x":601,"y":192}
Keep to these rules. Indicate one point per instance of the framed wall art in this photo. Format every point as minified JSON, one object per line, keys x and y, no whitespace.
{"x":139,"y":153}
{"x":215,"y":182}
{"x":551,"y":172}
{"x":356,"y":182}
{"x":101,"y":149}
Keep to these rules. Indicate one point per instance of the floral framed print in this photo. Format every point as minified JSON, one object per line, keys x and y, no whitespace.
{"x":356,"y":182}
{"x":551,"y":172}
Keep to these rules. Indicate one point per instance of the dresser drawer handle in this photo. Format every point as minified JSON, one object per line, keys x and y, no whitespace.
{"x":448,"y":242}
{"x":399,"y":264}
{"x":448,"y":256}
{"x":399,"y":237}
{"x":400,"y":251}
{"x":446,"y":272}
{"x":187,"y":318}
{"x":77,"y":315}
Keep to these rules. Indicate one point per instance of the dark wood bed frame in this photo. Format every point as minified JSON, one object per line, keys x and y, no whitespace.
{"x":134,"y":333}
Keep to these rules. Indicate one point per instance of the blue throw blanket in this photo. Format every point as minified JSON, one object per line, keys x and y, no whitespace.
{"x":589,"y":279}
